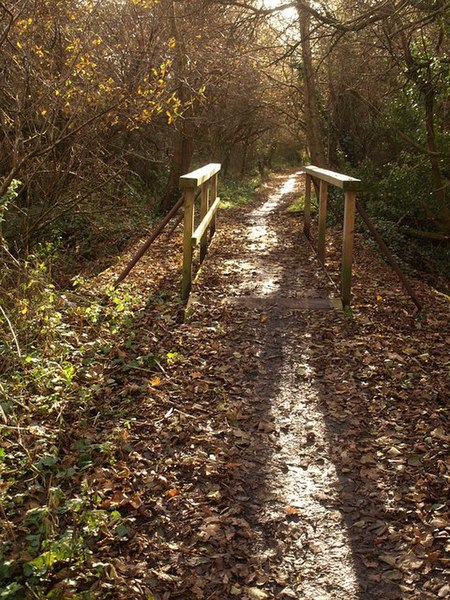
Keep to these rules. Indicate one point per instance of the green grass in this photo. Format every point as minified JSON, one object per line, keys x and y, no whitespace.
{"x":238,"y":192}
{"x":298,"y":206}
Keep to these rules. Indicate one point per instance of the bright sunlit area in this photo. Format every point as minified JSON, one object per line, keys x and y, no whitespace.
{"x":288,"y":14}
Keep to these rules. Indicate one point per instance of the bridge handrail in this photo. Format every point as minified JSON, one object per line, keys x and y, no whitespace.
{"x":199,"y":176}
{"x":345,"y":182}
{"x":350,"y":186}
{"x":207,"y":179}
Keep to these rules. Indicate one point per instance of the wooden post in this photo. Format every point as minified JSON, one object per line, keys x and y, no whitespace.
{"x":323,"y":197}
{"x":204,"y":206}
{"x":347,"y":247}
{"x":189,"y":196}
{"x":307,"y":208}
{"x":214,"y":183}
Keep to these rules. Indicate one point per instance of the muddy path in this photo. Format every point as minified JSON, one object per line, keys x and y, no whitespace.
{"x":279,"y":449}
{"x":302,"y":508}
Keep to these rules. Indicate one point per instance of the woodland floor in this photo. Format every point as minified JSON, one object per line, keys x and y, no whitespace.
{"x":274,"y":447}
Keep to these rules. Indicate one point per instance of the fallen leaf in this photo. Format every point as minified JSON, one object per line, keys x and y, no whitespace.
{"x":393,"y":575}
{"x":367,"y":459}
{"x":393,"y":451}
{"x":414,"y":460}
{"x":266,"y":427}
{"x":389,"y":559}
{"x":155,"y":381}
{"x":256,"y":594}
{"x":410,"y":561}
{"x":301,"y":371}
{"x":288,"y":593}
{"x":291,"y":510}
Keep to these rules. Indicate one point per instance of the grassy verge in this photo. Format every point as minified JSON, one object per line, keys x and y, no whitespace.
{"x":237,"y":192}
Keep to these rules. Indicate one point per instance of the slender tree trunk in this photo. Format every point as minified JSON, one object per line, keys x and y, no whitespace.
{"x":184,"y":140}
{"x":244,"y":159}
{"x":424,"y":83}
{"x":436,"y":175}
{"x":314,"y":125}
{"x":180,"y":164}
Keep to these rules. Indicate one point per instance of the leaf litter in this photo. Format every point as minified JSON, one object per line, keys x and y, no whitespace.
{"x":245,"y":452}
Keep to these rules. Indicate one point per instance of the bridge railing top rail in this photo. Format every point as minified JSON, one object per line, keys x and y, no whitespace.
{"x":199,"y":176}
{"x":206,"y":178}
{"x":347,"y":183}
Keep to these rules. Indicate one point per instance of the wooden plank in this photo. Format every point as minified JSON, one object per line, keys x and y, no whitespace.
{"x":345,"y":182}
{"x":388,"y":254}
{"x":189,"y":196}
{"x":201,"y":229}
{"x":204,"y":207}
{"x":196,"y":178}
{"x":280,"y":303}
{"x":347,"y":247}
{"x":155,"y":234}
{"x":307,"y":208}
{"x":323,"y":198}
{"x":214,"y":186}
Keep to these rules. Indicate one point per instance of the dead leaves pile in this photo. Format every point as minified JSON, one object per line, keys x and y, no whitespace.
{"x":183,"y":444}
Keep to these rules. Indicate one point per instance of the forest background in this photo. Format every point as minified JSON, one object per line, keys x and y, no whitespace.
{"x":104,"y":104}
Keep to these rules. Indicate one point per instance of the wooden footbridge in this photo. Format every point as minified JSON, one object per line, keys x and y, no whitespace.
{"x":202,"y":185}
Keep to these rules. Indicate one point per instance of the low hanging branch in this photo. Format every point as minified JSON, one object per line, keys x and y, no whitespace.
{"x":154,"y":235}
{"x":426,"y":235}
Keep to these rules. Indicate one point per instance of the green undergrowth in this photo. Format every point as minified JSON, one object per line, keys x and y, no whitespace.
{"x":235,"y":191}
{"x":89,"y":237}
{"x":298,"y":206}
{"x":64,"y":411}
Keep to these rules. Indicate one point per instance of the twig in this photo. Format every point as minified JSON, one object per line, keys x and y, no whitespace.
{"x":12,"y":331}
{"x":161,"y":367}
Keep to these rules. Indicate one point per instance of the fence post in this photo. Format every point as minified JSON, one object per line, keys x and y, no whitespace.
{"x":307,"y":208}
{"x":189,"y":196}
{"x":347,"y":246}
{"x":323,"y":197}
{"x":204,"y":206}
{"x":214,"y":185}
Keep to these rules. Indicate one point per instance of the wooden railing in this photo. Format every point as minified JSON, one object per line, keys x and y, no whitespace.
{"x":350,"y":186}
{"x":206,"y":178}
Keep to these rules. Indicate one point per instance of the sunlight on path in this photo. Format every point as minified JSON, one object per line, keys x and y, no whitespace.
{"x":308,"y":482}
{"x":305,"y":480}
{"x":261,"y":238}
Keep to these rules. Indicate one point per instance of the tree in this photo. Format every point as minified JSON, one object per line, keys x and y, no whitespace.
{"x":76,"y":85}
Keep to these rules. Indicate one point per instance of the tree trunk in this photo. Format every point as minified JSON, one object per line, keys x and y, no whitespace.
{"x":180,"y":164}
{"x":424,"y":83}
{"x":436,"y":175}
{"x":184,"y":140}
{"x":314,"y":125}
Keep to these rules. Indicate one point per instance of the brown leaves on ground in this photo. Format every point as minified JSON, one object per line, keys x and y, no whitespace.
{"x":182,"y":441}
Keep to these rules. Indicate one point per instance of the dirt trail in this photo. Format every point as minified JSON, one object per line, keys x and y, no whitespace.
{"x":280,"y":450}
{"x":265,"y":446}
{"x":302,"y":508}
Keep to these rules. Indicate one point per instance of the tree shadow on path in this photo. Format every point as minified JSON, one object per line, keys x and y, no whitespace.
{"x":316,"y":518}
